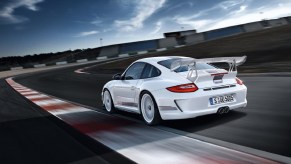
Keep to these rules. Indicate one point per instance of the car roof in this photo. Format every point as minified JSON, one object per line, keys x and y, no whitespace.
{"x":158,"y":59}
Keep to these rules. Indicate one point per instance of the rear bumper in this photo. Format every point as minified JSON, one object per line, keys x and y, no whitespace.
{"x":189,"y":105}
{"x":200,"y":112}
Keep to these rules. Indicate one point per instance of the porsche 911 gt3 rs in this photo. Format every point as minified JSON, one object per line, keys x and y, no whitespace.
{"x":174,"y":87}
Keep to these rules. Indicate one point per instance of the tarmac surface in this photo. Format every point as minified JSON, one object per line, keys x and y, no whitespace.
{"x":30,"y":135}
{"x":263,"y":125}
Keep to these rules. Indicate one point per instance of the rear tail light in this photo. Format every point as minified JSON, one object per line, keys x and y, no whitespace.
{"x":239,"y":81}
{"x":183,"y":88}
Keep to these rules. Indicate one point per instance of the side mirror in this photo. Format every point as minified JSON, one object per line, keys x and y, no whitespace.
{"x":117,"y":76}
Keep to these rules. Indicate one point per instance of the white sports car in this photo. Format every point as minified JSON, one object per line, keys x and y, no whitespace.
{"x":176,"y":88}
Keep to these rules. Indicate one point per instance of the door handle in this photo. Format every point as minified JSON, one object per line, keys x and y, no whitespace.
{"x":132,"y":87}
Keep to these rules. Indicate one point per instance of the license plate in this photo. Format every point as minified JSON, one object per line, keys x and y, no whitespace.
{"x":221,"y":99}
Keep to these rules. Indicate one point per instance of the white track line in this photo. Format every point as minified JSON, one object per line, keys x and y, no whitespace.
{"x":36,"y":96}
{"x":50,"y":102}
{"x":71,"y":110}
{"x":28,"y":93}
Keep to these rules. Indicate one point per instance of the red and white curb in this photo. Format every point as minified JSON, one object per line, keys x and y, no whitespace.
{"x":140,"y":143}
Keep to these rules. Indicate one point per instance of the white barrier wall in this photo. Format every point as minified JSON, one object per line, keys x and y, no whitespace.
{"x":250,"y":27}
{"x":167,"y":42}
{"x":123,"y":55}
{"x":16,"y":68}
{"x":196,"y":38}
{"x":61,"y":63}
{"x":161,"y":49}
{"x":109,"y":51}
{"x":277,"y":22}
{"x":101,"y":58}
{"x":82,"y":60}
{"x":142,"y":52}
{"x":39,"y":65}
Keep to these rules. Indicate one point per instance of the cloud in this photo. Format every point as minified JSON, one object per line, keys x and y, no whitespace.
{"x":197,"y":24}
{"x":158,"y":27}
{"x":242,"y":8}
{"x":97,"y":21}
{"x":125,"y":4}
{"x":180,"y":5}
{"x":224,"y":6}
{"x":7,"y":15}
{"x":233,"y":13}
{"x":87,"y":33}
{"x":247,"y":16}
{"x":143,"y":10}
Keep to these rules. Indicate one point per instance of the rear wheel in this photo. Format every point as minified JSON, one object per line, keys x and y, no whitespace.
{"x":149,"y":109}
{"x":107,"y":101}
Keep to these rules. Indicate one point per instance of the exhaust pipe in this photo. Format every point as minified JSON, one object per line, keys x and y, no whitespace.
{"x":223,"y":110}
{"x":226,"y":110}
{"x":220,"y":110}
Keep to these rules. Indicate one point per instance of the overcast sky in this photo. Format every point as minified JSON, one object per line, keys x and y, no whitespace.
{"x":40,"y":26}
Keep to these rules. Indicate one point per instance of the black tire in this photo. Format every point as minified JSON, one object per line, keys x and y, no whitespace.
{"x":108,"y":102}
{"x":150,"y":108}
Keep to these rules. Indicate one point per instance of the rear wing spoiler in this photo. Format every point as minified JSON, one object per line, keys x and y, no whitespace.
{"x":233,"y":62}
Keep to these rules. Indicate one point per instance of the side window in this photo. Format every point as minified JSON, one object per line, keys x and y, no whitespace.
{"x":150,"y":71}
{"x":155,"y":72}
{"x":134,"y":71}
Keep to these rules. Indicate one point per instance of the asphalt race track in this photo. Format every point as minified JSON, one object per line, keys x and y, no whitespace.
{"x":263,"y":125}
{"x":30,"y":135}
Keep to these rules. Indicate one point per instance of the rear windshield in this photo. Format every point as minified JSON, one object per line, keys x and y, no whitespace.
{"x":199,"y":66}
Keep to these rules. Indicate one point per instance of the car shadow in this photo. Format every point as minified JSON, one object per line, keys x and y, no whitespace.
{"x":204,"y":122}
{"x":193,"y":124}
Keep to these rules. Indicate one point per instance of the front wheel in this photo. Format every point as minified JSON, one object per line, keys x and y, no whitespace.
{"x":149,"y":109}
{"x":107,"y":101}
